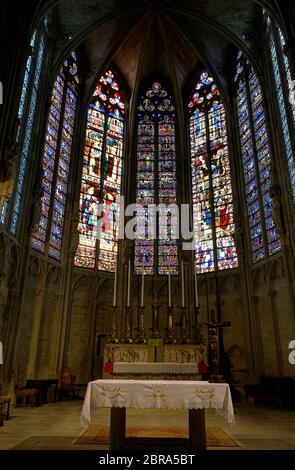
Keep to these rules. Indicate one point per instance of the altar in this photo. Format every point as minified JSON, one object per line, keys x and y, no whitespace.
{"x":194,"y":396}
{"x":155,"y":360}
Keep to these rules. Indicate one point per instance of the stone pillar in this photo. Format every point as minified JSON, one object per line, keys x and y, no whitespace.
{"x":37,"y":315}
{"x":273,"y":305}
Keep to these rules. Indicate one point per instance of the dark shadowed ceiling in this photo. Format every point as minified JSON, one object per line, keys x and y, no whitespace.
{"x":144,"y":36}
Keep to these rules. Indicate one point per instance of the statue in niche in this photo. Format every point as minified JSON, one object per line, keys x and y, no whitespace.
{"x":277,"y":207}
{"x":8,"y":172}
{"x":74,"y":235}
{"x":238,"y":234}
{"x":37,"y":201}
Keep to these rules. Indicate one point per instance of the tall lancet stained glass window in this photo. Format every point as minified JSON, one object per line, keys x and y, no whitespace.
{"x":256,"y":160}
{"x":156,"y":183}
{"x":56,"y":159}
{"x":26,"y":116}
{"x":211,"y":179}
{"x":284,"y":90}
{"x":101,"y":177}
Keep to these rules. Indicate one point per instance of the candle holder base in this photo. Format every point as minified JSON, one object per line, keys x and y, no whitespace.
{"x":114,"y":333}
{"x":141,"y":338}
{"x":198,"y":329}
{"x":128,"y":331}
{"x":155,"y":328}
{"x":184,"y":331}
{"x":170,"y":339}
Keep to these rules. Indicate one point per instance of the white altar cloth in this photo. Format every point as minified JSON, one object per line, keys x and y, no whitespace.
{"x":173,"y":394}
{"x":155,"y":368}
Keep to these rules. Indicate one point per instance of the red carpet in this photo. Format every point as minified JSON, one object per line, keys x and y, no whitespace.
{"x":215,"y":436}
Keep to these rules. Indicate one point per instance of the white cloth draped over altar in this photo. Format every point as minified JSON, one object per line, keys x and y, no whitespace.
{"x":157,"y":394}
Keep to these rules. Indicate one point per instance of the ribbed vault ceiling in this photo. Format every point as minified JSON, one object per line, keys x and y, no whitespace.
{"x":144,"y":36}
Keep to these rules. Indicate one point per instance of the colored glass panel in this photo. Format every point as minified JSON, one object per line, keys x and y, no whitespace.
{"x":256,"y":159}
{"x":156,"y":183}
{"x":211,"y":179}
{"x":27,"y":127}
{"x":101,"y":178}
{"x":278,"y":78}
{"x":56,"y":160}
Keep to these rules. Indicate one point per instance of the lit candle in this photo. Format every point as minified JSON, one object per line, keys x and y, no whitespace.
{"x":115,"y":289}
{"x":128,"y":286}
{"x":142,"y":287}
{"x":196,"y":289}
{"x":182,"y":284}
{"x":169,"y":288}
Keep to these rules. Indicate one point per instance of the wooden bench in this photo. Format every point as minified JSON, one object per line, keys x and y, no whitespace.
{"x":272,"y":390}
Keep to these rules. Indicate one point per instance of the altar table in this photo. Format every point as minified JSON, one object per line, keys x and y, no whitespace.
{"x":194,"y":396}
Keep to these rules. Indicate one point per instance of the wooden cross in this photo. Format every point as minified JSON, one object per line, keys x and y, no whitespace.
{"x":213,"y":337}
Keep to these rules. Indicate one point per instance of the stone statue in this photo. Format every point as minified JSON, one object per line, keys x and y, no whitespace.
{"x":277,"y":207}
{"x":8,"y":173}
{"x":37,"y":201}
{"x":74,"y":235}
{"x":238,"y":235}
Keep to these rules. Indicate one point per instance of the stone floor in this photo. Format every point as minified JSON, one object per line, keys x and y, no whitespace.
{"x":56,"y":426}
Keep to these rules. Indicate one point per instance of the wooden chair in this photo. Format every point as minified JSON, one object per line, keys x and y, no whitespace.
{"x":24,"y":396}
{"x":5,"y":405}
{"x":69,"y":388}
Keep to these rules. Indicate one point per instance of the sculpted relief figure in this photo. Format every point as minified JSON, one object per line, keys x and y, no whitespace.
{"x":277,"y":207}
{"x":37,"y":201}
{"x":8,"y":172}
{"x":74,"y":236}
{"x":239,"y":234}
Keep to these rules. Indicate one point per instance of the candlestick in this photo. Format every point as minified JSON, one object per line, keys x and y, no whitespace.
{"x":196,"y":289}
{"x":169,"y":288}
{"x":142,"y":288}
{"x":182,"y":285}
{"x":115,"y":289}
{"x":128,"y":286}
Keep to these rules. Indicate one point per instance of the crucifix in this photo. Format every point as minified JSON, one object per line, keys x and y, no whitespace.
{"x":214,"y":345}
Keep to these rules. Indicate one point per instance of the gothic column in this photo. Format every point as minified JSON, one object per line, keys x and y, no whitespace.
{"x":272,"y":293}
{"x":258,"y":361}
{"x":36,"y":321}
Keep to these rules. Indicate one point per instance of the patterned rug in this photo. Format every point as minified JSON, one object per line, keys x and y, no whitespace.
{"x":215,"y":436}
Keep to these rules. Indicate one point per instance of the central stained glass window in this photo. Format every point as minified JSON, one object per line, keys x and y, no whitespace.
{"x":211,"y":179}
{"x":156,"y":181}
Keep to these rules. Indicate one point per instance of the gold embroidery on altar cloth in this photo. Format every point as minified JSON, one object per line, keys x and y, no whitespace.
{"x":205,"y":393}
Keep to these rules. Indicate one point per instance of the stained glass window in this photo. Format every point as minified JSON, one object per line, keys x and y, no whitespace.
{"x":211,"y":179}
{"x":156,"y":182}
{"x":101,"y":177}
{"x":56,"y":159}
{"x":283,"y":87}
{"x":256,"y":160}
{"x":26,"y":118}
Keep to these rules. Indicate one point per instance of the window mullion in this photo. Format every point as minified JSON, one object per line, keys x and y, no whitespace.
{"x":102,"y":175}
{"x":156,"y":189}
{"x":211,"y":193}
